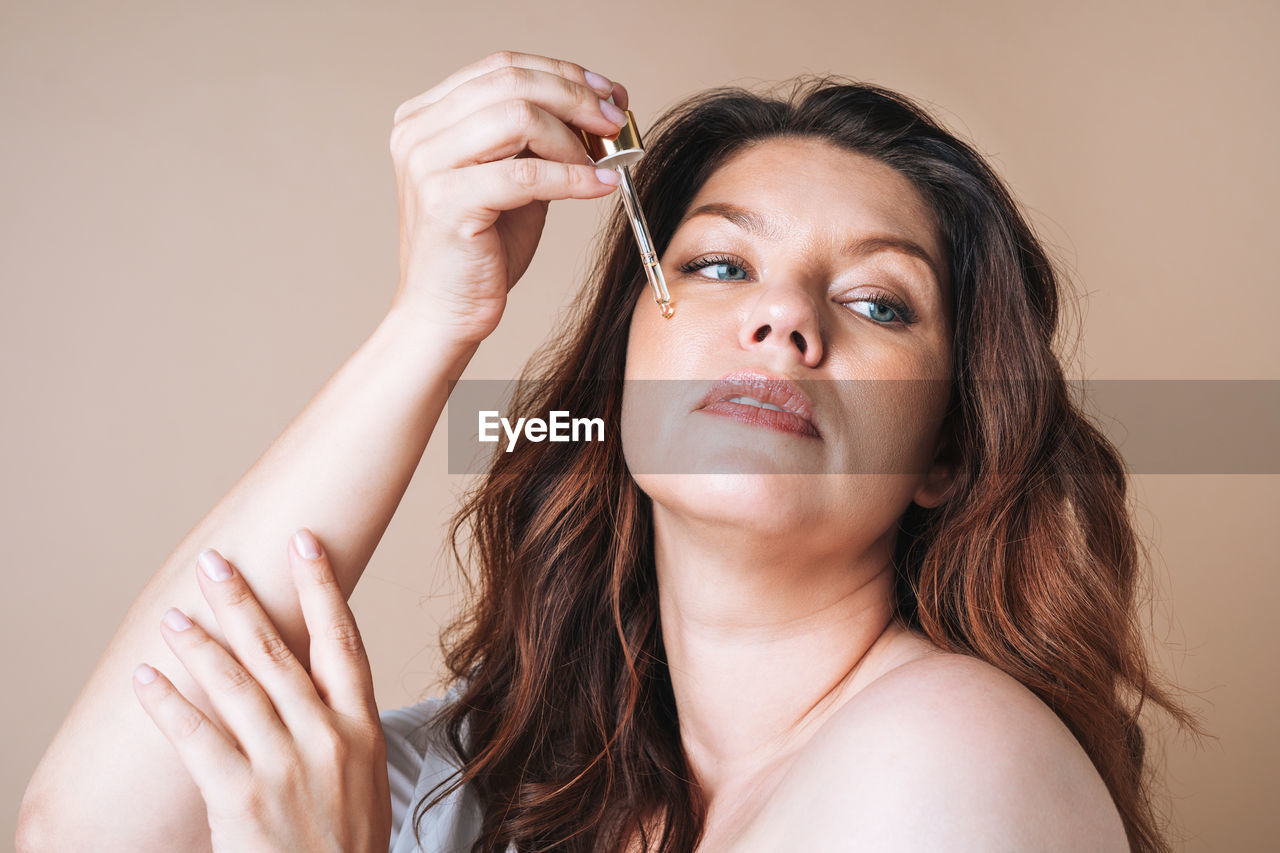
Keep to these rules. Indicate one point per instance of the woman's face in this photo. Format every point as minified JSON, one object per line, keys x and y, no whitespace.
{"x":800,"y":271}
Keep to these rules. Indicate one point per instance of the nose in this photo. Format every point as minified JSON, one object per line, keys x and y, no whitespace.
{"x":784,"y":319}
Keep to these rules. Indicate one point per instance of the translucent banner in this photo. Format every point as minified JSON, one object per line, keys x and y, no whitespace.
{"x":755,"y":425}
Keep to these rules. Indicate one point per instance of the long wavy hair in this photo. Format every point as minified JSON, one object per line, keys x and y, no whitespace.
{"x":565,"y":723}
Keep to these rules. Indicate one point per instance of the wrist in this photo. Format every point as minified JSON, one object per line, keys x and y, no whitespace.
{"x":424,"y":344}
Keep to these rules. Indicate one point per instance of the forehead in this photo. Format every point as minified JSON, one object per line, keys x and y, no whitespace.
{"x":817,"y":191}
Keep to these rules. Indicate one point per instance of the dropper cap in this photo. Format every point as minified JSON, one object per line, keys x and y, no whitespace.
{"x":620,"y":152}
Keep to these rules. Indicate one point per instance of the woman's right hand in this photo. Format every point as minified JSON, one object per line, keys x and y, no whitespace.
{"x":477,"y":160}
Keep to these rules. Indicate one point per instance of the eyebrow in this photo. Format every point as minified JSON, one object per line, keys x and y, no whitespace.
{"x":762,"y":226}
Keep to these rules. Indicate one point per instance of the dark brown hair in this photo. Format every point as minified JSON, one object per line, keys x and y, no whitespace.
{"x":565,"y":723}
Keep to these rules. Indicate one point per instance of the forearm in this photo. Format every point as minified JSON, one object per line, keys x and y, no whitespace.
{"x":110,"y":779}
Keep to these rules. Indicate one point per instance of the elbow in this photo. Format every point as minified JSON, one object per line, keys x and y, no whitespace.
{"x":46,"y":826}
{"x":32,"y":835}
{"x":37,"y":830}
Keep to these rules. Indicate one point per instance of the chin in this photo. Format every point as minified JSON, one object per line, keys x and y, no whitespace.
{"x":759,"y":503}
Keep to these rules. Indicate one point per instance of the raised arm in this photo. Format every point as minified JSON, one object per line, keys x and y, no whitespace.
{"x":110,"y":780}
{"x":470,"y":218}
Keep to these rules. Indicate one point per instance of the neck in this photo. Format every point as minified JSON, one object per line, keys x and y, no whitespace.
{"x":764,"y":641}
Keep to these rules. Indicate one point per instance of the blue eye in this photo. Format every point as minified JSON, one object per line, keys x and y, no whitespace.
{"x":885,"y":310}
{"x":716,"y":261}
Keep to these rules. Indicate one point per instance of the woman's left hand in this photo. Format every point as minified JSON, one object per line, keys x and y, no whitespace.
{"x":305,"y":766}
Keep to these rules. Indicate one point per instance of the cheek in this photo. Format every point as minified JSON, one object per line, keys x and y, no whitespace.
{"x":891,"y":425}
{"x":638,"y":354}
{"x":653,"y":343}
{"x":692,"y":344}
{"x":646,"y":422}
{"x":642,"y":427}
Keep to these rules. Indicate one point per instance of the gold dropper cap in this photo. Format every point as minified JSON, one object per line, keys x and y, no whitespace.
{"x":619,"y":152}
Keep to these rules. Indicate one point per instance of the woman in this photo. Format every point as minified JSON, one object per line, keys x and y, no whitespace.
{"x":893,"y":609}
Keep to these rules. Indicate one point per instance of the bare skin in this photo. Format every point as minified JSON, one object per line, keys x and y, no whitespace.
{"x":775,"y":585}
{"x":935,"y":751}
{"x":478,"y":158}
{"x":739,"y":818}
{"x":792,"y":679}
{"x":775,"y":582}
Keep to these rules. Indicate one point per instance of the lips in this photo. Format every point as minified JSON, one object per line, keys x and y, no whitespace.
{"x":754,"y":398}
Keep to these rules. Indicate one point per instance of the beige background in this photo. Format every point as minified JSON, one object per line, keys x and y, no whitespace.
{"x":199,"y":226}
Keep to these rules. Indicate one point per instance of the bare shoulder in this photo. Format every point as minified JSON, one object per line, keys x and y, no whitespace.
{"x":946,"y":752}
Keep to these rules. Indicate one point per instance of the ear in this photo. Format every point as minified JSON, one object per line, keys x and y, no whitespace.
{"x":941,"y":476}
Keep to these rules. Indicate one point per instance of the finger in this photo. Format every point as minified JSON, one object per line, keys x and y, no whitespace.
{"x":620,"y":96}
{"x":573,"y":103}
{"x":339,"y":664}
{"x":256,"y":643}
{"x":503,"y":130}
{"x":493,"y":62}
{"x":214,"y":763}
{"x":483,"y":191}
{"x":239,"y":700}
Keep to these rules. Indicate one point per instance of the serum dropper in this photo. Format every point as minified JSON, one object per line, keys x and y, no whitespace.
{"x":619,"y":152}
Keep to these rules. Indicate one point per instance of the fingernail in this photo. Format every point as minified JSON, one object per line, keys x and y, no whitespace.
{"x":213,"y":565}
{"x":607,"y":176}
{"x":176,"y":619}
{"x":612,"y":113}
{"x":144,"y":674}
{"x":305,"y":544}
{"x":599,"y":82}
